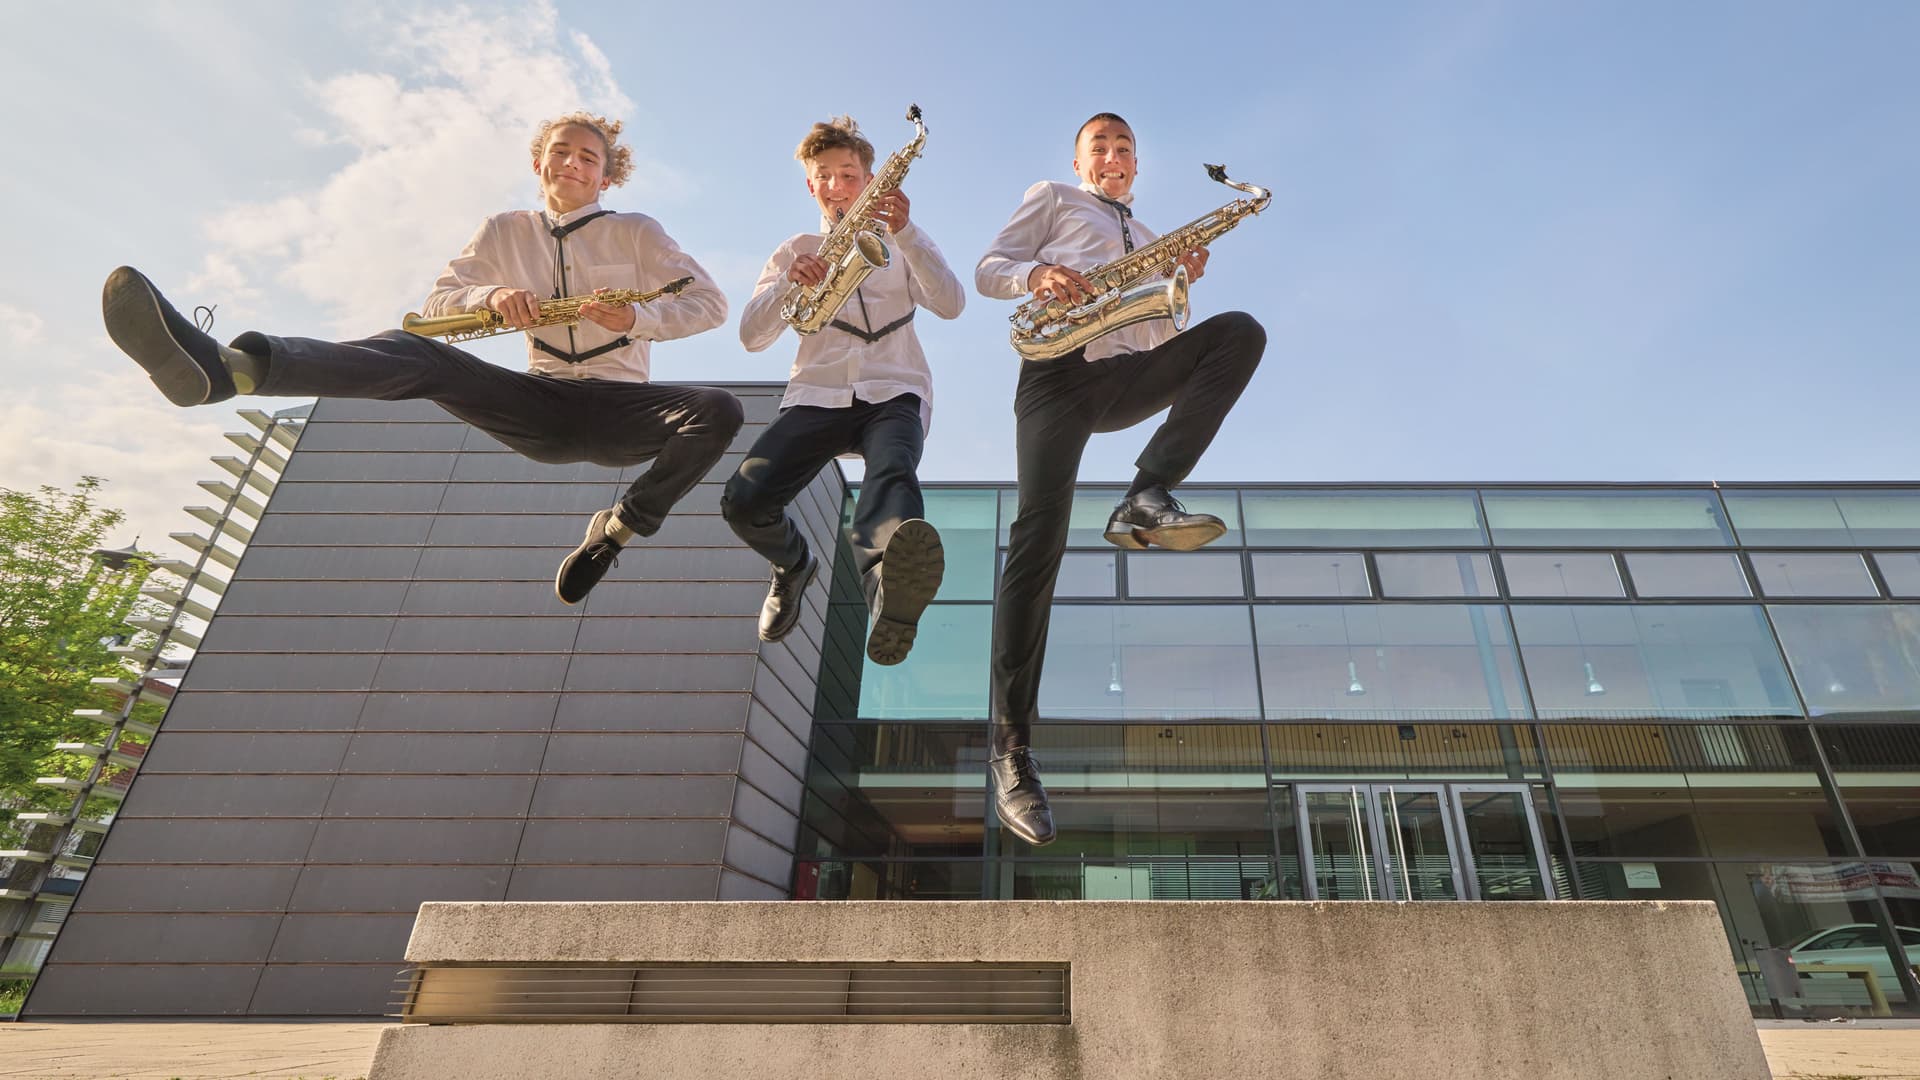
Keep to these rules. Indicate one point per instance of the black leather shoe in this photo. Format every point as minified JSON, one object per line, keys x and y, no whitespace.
{"x":183,"y":361}
{"x":583,"y":569}
{"x":1157,"y":518}
{"x":785,"y":595}
{"x":1018,"y":797}
{"x":905,"y":581}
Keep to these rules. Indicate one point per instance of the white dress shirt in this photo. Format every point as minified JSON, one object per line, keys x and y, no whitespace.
{"x":620,"y":251}
{"x":1062,"y":225}
{"x":833,"y":367}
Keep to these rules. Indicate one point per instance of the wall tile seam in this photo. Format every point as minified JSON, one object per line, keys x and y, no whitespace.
{"x":798,"y":698}
{"x":784,"y":888}
{"x":744,"y":827}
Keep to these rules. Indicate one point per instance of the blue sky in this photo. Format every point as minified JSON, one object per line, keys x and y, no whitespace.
{"x":1509,"y":241}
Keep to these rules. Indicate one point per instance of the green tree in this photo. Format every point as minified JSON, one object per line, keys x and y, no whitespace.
{"x":61,"y":609}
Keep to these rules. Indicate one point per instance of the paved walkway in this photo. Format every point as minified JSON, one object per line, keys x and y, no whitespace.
{"x":208,"y":1050}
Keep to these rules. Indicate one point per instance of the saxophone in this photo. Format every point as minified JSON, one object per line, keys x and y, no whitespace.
{"x":564,"y":311}
{"x":1132,"y":288}
{"x":854,"y":248}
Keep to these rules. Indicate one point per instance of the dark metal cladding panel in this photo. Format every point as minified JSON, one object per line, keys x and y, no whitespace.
{"x":391,"y":706}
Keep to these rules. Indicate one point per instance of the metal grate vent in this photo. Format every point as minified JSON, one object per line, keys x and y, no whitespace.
{"x":878,"y":993}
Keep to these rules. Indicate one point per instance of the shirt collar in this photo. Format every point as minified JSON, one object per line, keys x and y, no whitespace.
{"x":1124,"y":200}
{"x":554,"y":220}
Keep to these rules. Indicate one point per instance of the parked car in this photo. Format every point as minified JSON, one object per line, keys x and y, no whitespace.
{"x":1856,"y":943}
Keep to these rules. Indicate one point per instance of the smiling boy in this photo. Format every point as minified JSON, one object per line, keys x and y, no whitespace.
{"x":859,"y":386}
{"x":586,"y":396}
{"x":1114,"y":382}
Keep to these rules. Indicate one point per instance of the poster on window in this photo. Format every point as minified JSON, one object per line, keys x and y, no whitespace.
{"x":1811,"y":883}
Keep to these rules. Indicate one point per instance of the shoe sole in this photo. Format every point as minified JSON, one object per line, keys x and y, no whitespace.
{"x":799,"y":593}
{"x":1187,"y":537}
{"x":911,"y":570}
{"x":594,"y":528}
{"x":1125,"y":538}
{"x":130,"y":306}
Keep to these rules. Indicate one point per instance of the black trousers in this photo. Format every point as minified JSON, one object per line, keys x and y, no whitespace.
{"x":797,"y":445}
{"x":683,"y":430}
{"x":1059,"y":405}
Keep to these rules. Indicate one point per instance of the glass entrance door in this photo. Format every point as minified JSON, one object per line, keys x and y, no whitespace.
{"x":1369,"y":841}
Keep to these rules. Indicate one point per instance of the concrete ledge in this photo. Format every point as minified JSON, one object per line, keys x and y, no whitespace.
{"x":1176,"y":989}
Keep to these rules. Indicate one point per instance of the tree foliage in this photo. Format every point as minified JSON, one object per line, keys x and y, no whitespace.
{"x":61,"y":610}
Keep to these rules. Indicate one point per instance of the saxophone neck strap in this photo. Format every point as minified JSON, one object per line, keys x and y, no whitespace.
{"x":875,"y":335}
{"x":620,"y":342}
{"x":561,"y":232}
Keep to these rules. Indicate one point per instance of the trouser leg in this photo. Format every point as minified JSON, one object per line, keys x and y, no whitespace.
{"x":1051,"y":433}
{"x":783,"y":461}
{"x":684,"y":429}
{"x":891,"y":441}
{"x":1200,"y":374}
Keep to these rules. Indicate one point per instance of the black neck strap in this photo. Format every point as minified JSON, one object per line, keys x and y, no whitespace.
{"x":620,"y":342}
{"x":561,"y":232}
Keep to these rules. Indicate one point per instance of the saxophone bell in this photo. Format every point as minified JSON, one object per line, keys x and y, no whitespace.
{"x":1075,"y":328}
{"x":863,"y":256}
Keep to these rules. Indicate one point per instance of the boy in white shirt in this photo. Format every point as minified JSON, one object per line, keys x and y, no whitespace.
{"x":860,"y":386}
{"x":1115,"y":381}
{"x":586,"y":396}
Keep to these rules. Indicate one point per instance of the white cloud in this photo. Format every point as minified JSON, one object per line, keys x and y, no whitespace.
{"x":19,"y":326}
{"x":116,"y":426}
{"x":439,"y":141}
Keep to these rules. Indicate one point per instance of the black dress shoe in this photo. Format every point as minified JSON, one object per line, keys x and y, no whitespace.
{"x":588,"y":563}
{"x":785,"y":599}
{"x":1018,"y":797}
{"x":182,"y":361}
{"x":1154,"y":517}
{"x":904,"y":583}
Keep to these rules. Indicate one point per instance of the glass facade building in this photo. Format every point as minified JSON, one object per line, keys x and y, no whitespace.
{"x":1627,"y":692}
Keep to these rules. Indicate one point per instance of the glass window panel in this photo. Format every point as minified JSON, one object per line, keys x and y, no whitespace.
{"x":1687,"y":575}
{"x":899,"y":790}
{"x":1093,"y":506}
{"x":1692,"y":790}
{"x":1877,"y":768}
{"x":1570,"y":574}
{"x":1155,"y":790}
{"x":944,"y":676}
{"x":1177,"y":574}
{"x":880,"y":880}
{"x":1606,"y":519}
{"x":1330,"y":575}
{"x":1435,"y":575}
{"x":1172,"y":662}
{"x":1157,"y":879}
{"x":1410,"y":751}
{"x":1854,"y":659}
{"x":1783,"y":574}
{"x":1345,"y":519}
{"x":1086,"y":573}
{"x":1630,"y":661}
{"x":1388,"y":662}
{"x":1901,"y":571}
{"x":966,"y":523}
{"x":1826,"y":518}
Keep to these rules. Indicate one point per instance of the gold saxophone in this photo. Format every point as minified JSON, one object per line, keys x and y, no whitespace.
{"x":564,"y":311}
{"x":1132,"y":288}
{"x":854,"y":248}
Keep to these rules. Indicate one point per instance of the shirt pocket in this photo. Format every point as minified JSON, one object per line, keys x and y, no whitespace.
{"x":612,"y":276}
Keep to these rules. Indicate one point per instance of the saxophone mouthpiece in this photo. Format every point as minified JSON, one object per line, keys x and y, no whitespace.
{"x":1218,"y":173}
{"x":913,"y":113}
{"x":676,"y":285}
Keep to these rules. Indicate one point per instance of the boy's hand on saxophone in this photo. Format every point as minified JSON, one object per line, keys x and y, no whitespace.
{"x":615,"y":317}
{"x":1050,"y":283}
{"x":891,"y":210}
{"x":518,"y":306}
{"x":808,"y":270}
{"x":1196,"y":263}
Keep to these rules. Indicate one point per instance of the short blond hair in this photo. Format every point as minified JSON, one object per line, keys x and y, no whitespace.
{"x":839,"y":133}
{"x":619,"y":165}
